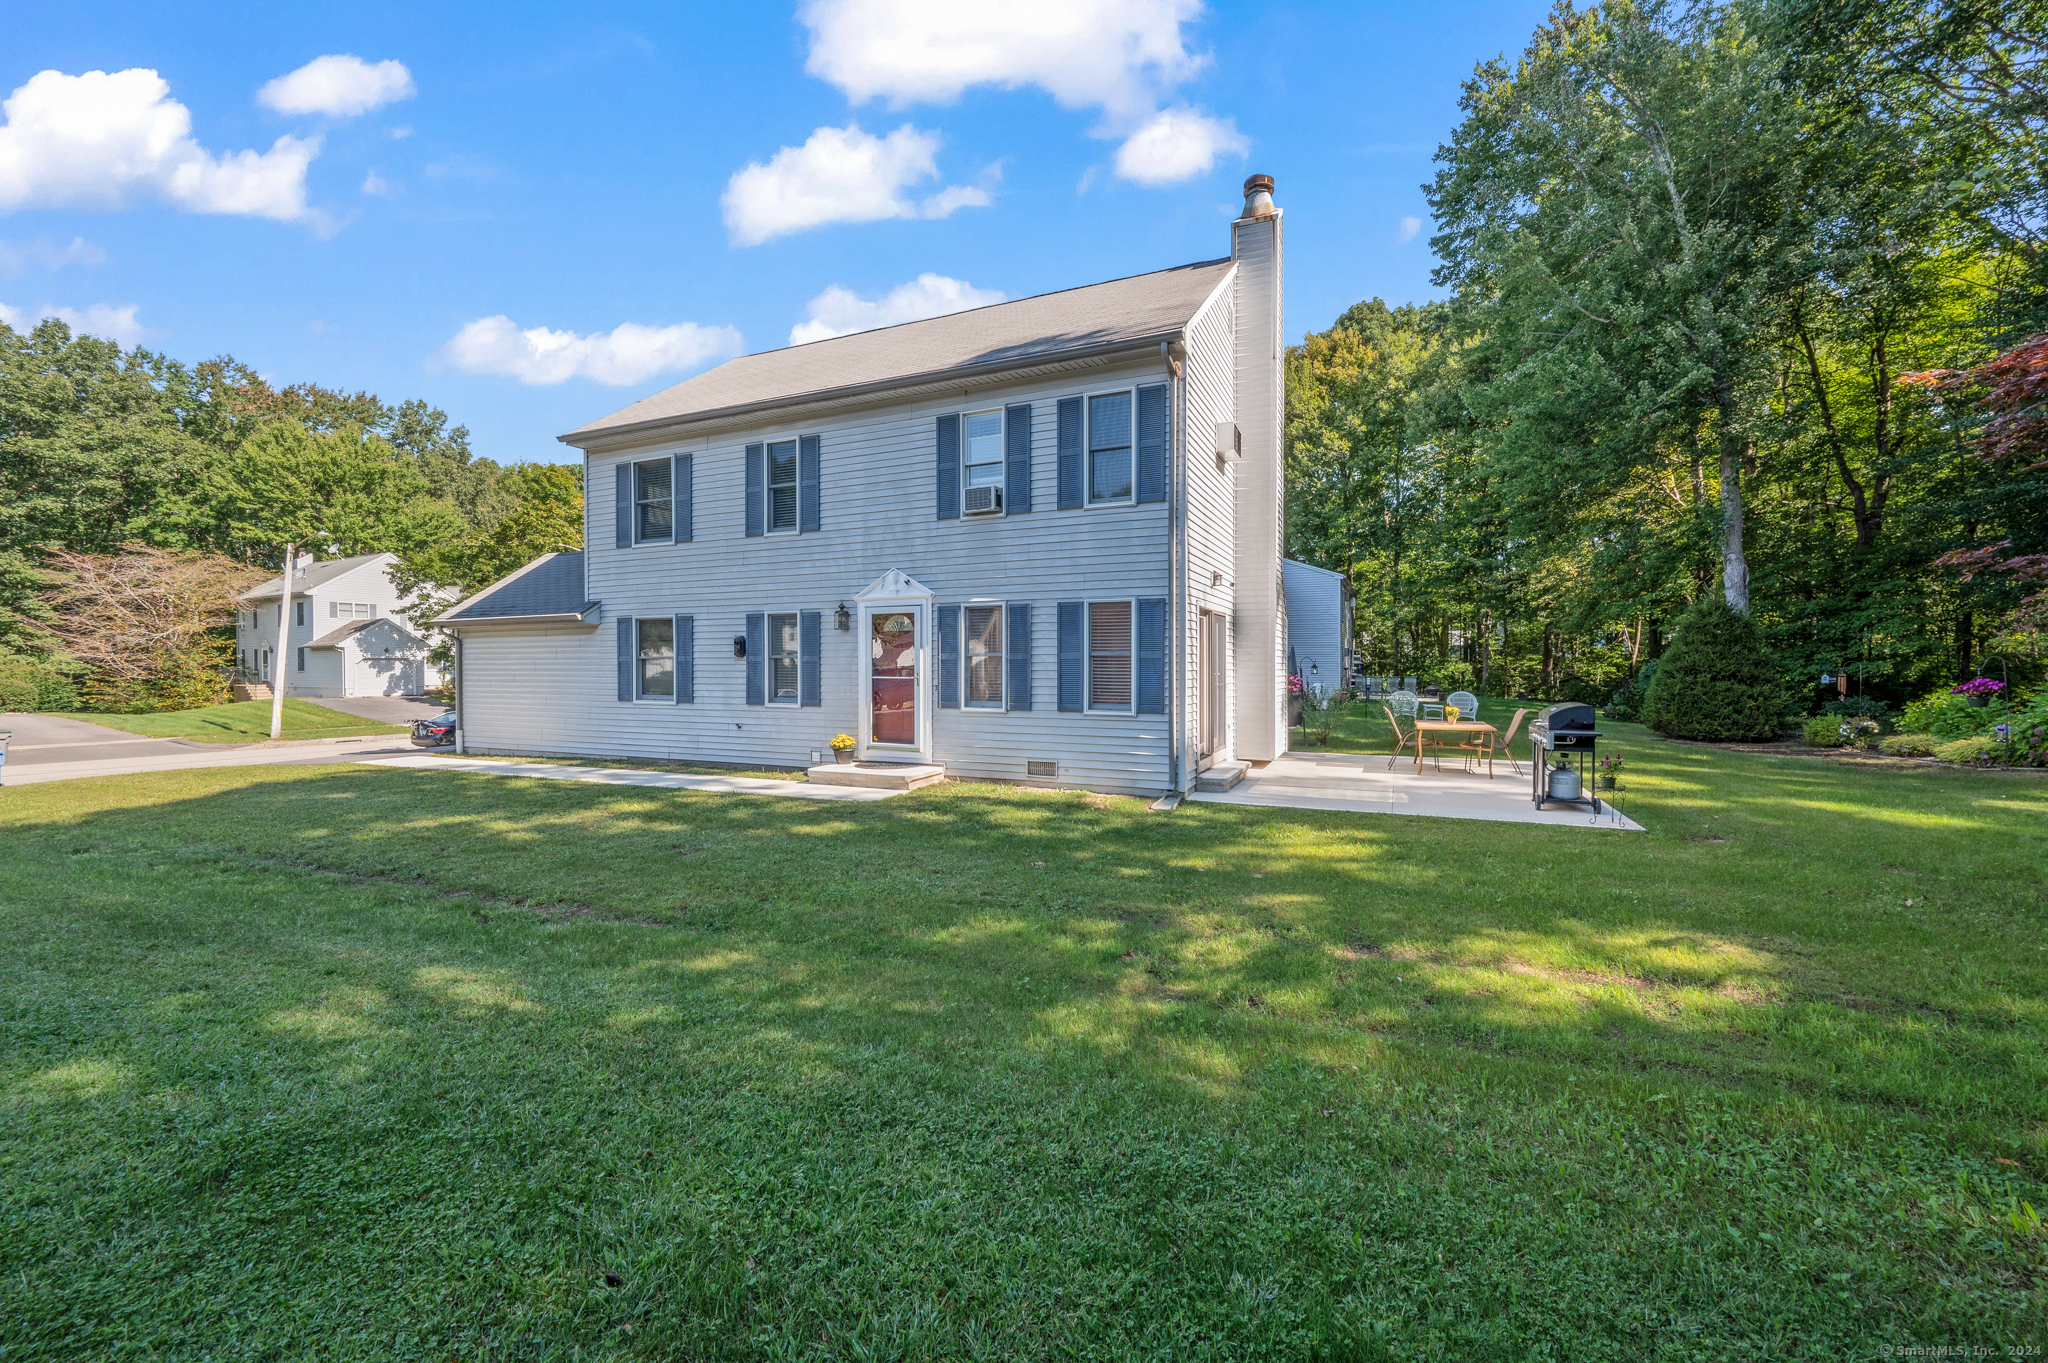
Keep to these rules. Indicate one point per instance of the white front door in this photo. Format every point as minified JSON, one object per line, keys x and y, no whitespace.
{"x":1213,"y":653}
{"x":896,"y":722}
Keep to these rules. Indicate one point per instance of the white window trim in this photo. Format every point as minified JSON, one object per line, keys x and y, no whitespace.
{"x":1002,"y":707}
{"x":768,"y":659}
{"x":768,"y":526}
{"x":1088,"y":497}
{"x":639,"y":502}
{"x":1002,"y":462}
{"x":674,"y":657}
{"x":1088,"y":705}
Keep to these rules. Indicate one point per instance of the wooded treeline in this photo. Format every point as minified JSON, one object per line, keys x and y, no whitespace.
{"x":200,"y":475}
{"x":1690,"y":255}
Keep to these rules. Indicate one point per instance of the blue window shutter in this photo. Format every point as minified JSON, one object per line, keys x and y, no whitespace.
{"x":1152,"y":442}
{"x":1151,"y":655}
{"x":810,"y":453}
{"x":686,"y":498}
{"x":625,"y":659}
{"x":686,"y":656}
{"x":949,"y":467}
{"x":757,"y":494}
{"x":1017,"y":458}
{"x":810,"y":638}
{"x":1069,"y":434}
{"x":757,"y":657}
{"x":623,"y":504}
{"x":949,"y":657}
{"x":1019,"y":661}
{"x":1072,"y":660}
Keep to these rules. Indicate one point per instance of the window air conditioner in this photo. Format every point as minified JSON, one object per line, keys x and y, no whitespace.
{"x":984,"y":501}
{"x":1229,"y":442}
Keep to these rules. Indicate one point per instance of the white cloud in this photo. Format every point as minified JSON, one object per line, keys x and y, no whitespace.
{"x":1117,"y":55}
{"x":1409,"y":227}
{"x":339,"y":86}
{"x":1177,"y":144}
{"x":626,"y":354}
{"x":373,"y":183}
{"x":44,"y":253}
{"x":840,"y":175}
{"x":839,"y":311}
{"x":91,"y":141}
{"x":101,"y":319}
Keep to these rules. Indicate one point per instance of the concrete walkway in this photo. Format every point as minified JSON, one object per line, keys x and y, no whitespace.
{"x":1361,"y":784}
{"x":615,"y":776}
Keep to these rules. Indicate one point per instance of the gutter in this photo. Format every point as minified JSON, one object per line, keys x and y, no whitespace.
{"x":584,"y":439}
{"x":558,"y":618}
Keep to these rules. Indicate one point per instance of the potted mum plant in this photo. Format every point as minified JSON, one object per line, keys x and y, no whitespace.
{"x":1608,"y":775}
{"x":842,"y":748}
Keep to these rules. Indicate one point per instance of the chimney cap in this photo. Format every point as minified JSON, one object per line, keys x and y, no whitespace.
{"x":1258,"y":197}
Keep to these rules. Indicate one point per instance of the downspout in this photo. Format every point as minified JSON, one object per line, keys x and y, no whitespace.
{"x":1176,"y":537}
{"x":460,"y":746}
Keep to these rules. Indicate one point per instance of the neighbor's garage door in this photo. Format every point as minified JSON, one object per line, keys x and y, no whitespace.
{"x":390,"y":677}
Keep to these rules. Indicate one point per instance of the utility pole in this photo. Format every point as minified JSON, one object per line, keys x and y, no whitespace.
{"x":284,"y":624}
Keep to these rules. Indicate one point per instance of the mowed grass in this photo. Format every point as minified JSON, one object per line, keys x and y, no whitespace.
{"x":339,"y":1062}
{"x":246,"y":721}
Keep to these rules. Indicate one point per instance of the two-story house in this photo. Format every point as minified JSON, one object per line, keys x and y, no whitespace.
{"x":1038,"y":541}
{"x":348,"y":636}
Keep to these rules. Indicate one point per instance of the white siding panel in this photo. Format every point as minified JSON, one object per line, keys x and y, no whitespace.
{"x":1211,"y":562}
{"x":1315,"y":632}
{"x":1260,"y":654}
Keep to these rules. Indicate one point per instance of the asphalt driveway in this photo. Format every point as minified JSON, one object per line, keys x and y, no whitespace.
{"x":385,"y":709}
{"x":59,"y":748}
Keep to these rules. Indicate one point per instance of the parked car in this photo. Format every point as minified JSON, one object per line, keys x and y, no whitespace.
{"x":438,"y":732}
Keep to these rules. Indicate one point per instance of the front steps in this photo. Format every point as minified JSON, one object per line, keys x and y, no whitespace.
{"x":1220,"y":777}
{"x":251,"y":691}
{"x":876,"y":775}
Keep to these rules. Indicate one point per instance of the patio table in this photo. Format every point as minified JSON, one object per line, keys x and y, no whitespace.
{"x":1449,"y":735}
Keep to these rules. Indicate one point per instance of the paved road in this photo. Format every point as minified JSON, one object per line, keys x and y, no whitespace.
{"x":385,"y":709}
{"x":59,"y":748}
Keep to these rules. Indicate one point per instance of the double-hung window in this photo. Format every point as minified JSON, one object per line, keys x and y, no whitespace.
{"x":784,"y":657}
{"x":654,"y":506}
{"x":1109,"y":447}
{"x":984,"y":455}
{"x":985,"y":657}
{"x":782,"y":488}
{"x":299,"y":612}
{"x":1109,"y":655}
{"x":657,"y":660}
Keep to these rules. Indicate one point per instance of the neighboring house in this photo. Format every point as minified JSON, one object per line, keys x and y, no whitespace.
{"x":1318,"y":625}
{"x":1038,"y":541}
{"x":349,"y":634}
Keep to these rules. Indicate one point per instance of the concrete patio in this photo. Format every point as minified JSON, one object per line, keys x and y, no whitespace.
{"x":1356,"y":783}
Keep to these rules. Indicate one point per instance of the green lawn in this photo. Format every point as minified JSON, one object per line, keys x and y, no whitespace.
{"x":339,"y":1062}
{"x":246,"y":721}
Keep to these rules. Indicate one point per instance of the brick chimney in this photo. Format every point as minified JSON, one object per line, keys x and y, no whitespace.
{"x":1260,"y":397}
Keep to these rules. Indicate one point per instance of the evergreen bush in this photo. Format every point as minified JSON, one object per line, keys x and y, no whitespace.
{"x":1716,"y":683}
{"x":51,"y":690}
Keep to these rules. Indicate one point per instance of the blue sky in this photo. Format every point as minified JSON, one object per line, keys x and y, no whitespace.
{"x":473,"y":204}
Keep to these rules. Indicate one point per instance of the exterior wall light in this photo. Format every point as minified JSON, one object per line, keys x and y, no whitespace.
{"x":739,"y":645}
{"x":844,"y":618}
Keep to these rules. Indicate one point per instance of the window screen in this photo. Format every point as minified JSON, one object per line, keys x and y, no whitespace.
{"x":653,"y":501}
{"x":1109,"y":447}
{"x":782,"y":488}
{"x":985,"y":449}
{"x":784,"y":654}
{"x":1109,"y":655}
{"x":658,"y":658}
{"x":985,"y":656}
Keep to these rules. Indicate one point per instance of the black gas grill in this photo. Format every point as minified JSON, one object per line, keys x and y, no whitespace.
{"x":1567,"y":732}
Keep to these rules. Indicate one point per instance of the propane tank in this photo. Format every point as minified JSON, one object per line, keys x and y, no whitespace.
{"x":1564,"y":783}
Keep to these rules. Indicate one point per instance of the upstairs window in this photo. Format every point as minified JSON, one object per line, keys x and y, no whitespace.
{"x":784,"y":654}
{"x":657,"y":663}
{"x":1109,"y":655}
{"x":654,"y":510}
{"x":782,"y":488}
{"x":985,"y":657}
{"x":299,"y":615}
{"x":1109,"y":447}
{"x":351,"y":610}
{"x":985,"y":449}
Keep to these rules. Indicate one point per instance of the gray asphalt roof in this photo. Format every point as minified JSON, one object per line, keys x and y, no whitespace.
{"x":335,"y":636}
{"x":319,"y":571}
{"x":550,"y":585}
{"x":1021,"y":332}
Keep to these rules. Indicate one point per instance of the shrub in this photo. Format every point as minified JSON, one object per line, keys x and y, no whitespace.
{"x":1971,"y":750}
{"x":15,"y":694}
{"x":51,"y":690}
{"x":1322,"y":712}
{"x":1716,"y":683}
{"x":1625,"y":704}
{"x":1947,"y":715}
{"x":1909,"y":745}
{"x":1863,"y":706}
{"x":1824,"y":731}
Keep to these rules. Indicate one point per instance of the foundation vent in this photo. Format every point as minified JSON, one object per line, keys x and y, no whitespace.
{"x":1041,"y":769}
